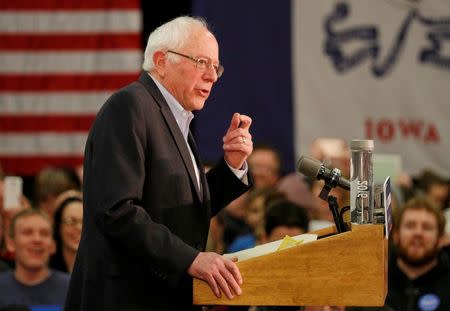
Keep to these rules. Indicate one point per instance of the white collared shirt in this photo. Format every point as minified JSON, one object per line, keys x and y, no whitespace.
{"x":184,"y":118}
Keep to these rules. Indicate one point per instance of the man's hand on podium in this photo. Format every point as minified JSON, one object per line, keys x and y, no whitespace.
{"x":221,"y":274}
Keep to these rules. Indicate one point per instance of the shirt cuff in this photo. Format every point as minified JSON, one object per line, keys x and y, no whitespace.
{"x":241,"y":174}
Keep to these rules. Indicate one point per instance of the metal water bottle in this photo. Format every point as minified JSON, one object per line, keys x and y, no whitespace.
{"x":361,"y":181}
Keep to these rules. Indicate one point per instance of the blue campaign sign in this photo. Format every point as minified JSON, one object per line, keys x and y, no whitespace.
{"x":429,"y":302}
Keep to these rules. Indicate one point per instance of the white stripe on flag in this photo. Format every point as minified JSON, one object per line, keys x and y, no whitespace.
{"x":45,"y":144}
{"x":69,"y":21}
{"x":48,"y":103}
{"x":80,"y":62}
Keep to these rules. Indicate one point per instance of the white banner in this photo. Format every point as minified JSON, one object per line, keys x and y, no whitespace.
{"x":377,"y":70}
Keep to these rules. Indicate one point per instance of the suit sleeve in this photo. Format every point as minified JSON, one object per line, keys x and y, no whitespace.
{"x":224,"y":186}
{"x":115,"y":175}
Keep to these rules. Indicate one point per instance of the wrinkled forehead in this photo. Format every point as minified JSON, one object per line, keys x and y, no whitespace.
{"x":201,"y":42}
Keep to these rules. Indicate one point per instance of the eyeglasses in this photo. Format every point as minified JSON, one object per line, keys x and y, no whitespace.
{"x":72,"y":222}
{"x":202,"y":63}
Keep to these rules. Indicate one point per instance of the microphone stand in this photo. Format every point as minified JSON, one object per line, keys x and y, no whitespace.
{"x":334,"y":206}
{"x":338,"y":220}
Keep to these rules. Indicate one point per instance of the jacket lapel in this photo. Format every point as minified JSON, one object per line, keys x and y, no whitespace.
{"x":173,"y":127}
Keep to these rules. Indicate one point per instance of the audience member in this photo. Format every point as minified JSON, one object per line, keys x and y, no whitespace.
{"x":3,"y":265}
{"x":446,"y":241}
{"x":283,"y":218}
{"x":79,"y":173}
{"x":405,"y":184}
{"x":435,"y":187}
{"x":322,"y":216}
{"x":5,"y":218}
{"x":67,"y":224}
{"x":233,"y":218}
{"x":49,"y":183}
{"x":333,"y":152}
{"x":215,"y":235}
{"x":255,"y":211}
{"x":419,"y":273}
{"x":265,"y":166}
{"x":297,"y":190}
{"x":32,"y":283}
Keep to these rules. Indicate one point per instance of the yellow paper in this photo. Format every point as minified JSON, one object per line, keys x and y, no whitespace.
{"x":288,"y":242}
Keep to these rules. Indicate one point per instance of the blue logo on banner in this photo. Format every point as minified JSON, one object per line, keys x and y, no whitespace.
{"x":429,"y":302}
{"x":438,"y":31}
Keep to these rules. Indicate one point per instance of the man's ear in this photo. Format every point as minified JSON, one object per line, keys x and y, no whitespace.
{"x":10,"y":245}
{"x":160,"y":61}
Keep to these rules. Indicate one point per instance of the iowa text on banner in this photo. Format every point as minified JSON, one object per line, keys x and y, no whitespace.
{"x":377,"y":70}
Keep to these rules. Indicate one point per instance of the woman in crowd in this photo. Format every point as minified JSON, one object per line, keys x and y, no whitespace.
{"x":67,"y":225}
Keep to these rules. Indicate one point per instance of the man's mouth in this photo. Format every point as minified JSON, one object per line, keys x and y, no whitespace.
{"x":204,"y":92}
{"x":36,"y":251}
{"x":416,"y":244}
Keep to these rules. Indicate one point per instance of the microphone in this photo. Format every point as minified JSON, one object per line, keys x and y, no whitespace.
{"x":315,"y":169}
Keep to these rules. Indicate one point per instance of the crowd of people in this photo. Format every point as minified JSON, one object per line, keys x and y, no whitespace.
{"x":149,"y":199}
{"x":40,"y":238}
{"x":39,"y":241}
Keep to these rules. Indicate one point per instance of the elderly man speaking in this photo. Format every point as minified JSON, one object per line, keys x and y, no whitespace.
{"x":147,"y":200}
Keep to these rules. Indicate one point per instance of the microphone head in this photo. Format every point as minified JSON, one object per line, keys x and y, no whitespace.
{"x":309,"y":166}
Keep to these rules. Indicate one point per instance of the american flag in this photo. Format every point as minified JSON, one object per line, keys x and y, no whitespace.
{"x":59,"y":61}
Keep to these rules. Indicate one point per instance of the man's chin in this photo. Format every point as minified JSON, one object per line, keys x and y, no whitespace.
{"x":199,"y":105}
{"x":418,"y":260}
{"x":35,"y":266}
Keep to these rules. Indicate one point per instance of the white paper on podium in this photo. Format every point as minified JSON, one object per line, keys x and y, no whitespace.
{"x":268,"y":247}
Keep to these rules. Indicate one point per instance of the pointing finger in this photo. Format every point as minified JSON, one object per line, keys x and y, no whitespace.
{"x":246,"y":121}
{"x":235,"y":121}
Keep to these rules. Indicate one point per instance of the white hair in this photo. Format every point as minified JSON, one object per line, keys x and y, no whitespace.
{"x":170,"y":36}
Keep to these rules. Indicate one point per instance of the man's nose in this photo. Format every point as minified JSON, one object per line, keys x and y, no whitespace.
{"x":37,"y":240}
{"x":37,"y":237}
{"x":211,"y":74}
{"x":418,"y":230}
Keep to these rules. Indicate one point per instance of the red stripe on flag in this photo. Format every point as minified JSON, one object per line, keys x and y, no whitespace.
{"x":91,"y":41}
{"x":75,"y":5}
{"x":65,"y":82}
{"x":31,"y":165}
{"x":45,"y":123}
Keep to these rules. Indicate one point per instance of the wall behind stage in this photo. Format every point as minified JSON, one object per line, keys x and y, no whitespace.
{"x":357,"y":68}
{"x":254,"y":39}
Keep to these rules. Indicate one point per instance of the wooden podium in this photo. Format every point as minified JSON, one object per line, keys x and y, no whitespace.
{"x":345,"y":269}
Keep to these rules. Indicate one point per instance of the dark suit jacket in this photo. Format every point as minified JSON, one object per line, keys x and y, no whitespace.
{"x":145,"y":219}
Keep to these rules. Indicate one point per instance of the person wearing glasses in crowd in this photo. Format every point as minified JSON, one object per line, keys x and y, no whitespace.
{"x":147,"y":201}
{"x":67,"y":224}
